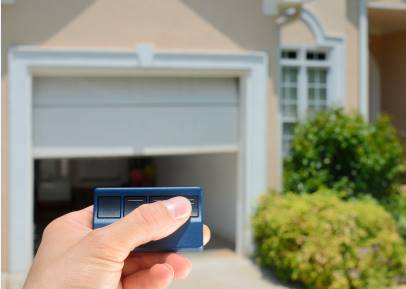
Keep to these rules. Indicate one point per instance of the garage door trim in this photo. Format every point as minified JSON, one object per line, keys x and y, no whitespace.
{"x":26,"y":62}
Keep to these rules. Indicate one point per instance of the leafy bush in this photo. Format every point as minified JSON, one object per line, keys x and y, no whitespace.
{"x":342,"y":152}
{"x":396,"y":206}
{"x":326,"y":243}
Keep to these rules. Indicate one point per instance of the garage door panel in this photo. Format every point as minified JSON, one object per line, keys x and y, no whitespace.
{"x":99,"y":91}
{"x":68,"y":123}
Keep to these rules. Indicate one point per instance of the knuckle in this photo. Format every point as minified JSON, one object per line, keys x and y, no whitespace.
{"x":97,"y":237}
{"x":100,"y":245}
{"x":98,"y":240}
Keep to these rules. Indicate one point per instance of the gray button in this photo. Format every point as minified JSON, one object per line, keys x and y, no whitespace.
{"x":195,"y":206}
{"x":154,"y":199}
{"x":109,"y":207}
{"x":131,"y":203}
{"x":193,"y":201}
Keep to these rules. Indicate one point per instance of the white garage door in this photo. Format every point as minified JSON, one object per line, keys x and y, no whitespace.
{"x":133,"y":115}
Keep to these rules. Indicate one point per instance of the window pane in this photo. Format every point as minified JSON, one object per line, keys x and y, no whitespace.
{"x":311,"y":111}
{"x":285,"y":92}
{"x":292,"y":93}
{"x":323,"y":75}
{"x":309,"y":55}
{"x":289,"y":92}
{"x":290,"y":111}
{"x":287,"y":135}
{"x":311,"y":75}
{"x":323,"y":93}
{"x":321,"y":56}
{"x":316,"y":55}
{"x":289,"y":75}
{"x":289,"y":54}
{"x":288,"y":129}
{"x":316,"y":89}
{"x":312,"y":93}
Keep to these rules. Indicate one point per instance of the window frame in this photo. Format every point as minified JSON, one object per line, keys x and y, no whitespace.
{"x":302,"y":65}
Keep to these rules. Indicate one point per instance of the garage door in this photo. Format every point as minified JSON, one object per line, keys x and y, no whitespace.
{"x":134,"y":115}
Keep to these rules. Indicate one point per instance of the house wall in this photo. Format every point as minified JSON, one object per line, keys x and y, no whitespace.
{"x":337,"y":18}
{"x":189,"y":25}
{"x":297,"y":33}
{"x":388,"y":51}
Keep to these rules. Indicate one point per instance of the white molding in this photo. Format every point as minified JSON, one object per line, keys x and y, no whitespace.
{"x":387,"y":6}
{"x":97,"y":152}
{"x":363,"y":55}
{"x":336,"y":45}
{"x":25,"y":62}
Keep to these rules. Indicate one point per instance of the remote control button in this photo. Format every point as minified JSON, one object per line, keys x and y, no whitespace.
{"x":109,"y":207}
{"x":154,"y":199}
{"x":195,"y":206}
{"x":193,"y":201}
{"x":131,"y":203}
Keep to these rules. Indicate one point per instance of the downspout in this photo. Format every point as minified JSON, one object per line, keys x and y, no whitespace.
{"x":363,"y":59}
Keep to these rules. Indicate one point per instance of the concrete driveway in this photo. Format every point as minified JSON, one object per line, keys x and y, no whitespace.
{"x":222,"y":268}
{"x":212,"y":269}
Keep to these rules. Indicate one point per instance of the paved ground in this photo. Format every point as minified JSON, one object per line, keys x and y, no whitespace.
{"x":222,"y":268}
{"x":216,"y":268}
{"x":212,"y":269}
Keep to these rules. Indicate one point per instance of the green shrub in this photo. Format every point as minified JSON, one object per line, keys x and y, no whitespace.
{"x":342,"y":152}
{"x":396,"y":206}
{"x":326,"y":243}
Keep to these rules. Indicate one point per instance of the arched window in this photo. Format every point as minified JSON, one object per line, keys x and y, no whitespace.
{"x":311,"y":78}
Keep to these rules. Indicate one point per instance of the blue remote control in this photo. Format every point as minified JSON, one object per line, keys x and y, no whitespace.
{"x":111,"y":204}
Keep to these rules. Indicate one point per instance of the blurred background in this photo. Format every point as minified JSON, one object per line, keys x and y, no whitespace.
{"x":239,"y":97}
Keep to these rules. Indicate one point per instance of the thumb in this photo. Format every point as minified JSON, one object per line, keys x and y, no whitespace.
{"x":147,"y":223}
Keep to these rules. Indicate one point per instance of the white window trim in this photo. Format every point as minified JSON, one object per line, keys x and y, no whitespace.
{"x":303,"y":64}
{"x":26,"y":62}
{"x":335,"y":45}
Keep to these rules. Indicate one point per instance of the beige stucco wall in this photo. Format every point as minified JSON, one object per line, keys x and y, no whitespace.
{"x":338,"y":18}
{"x":228,"y":25}
{"x":388,"y":51}
{"x":295,"y":32}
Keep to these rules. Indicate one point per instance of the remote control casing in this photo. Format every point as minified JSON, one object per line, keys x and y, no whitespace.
{"x":112,"y":204}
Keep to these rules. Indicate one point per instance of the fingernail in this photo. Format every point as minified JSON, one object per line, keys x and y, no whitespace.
{"x":179,"y":207}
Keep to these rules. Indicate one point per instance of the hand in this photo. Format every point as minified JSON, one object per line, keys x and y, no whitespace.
{"x":72,"y":255}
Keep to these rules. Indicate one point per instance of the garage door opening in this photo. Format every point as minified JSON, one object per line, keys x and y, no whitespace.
{"x":64,"y":185}
{"x":92,"y":103}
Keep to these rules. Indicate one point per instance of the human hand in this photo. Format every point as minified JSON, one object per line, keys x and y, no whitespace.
{"x":72,"y":255}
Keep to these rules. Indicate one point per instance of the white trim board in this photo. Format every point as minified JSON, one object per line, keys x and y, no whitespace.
{"x":336,"y":46}
{"x":363,"y":55}
{"x":26,"y":62}
{"x":97,"y":152}
{"x":386,"y":6}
